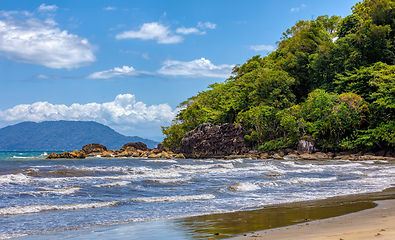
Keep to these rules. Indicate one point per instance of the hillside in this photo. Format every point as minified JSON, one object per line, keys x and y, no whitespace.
{"x":331,"y":82}
{"x":62,"y":135}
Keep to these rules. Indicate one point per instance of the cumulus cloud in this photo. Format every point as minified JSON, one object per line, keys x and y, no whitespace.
{"x":208,"y":25}
{"x":185,"y":31}
{"x":124,"y":110}
{"x":50,"y":8}
{"x":196,"y":68}
{"x":152,"y":31}
{"x":116,"y":72}
{"x":39,"y":42}
{"x":262,"y":48}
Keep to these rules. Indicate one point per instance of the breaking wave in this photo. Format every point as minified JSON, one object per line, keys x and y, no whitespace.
{"x":41,"y":208}
{"x":174,"y":198}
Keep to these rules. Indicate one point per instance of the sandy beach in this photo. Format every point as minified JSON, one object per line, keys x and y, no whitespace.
{"x":375,"y":223}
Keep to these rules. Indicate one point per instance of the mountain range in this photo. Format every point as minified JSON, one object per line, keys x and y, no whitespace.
{"x":63,"y":136}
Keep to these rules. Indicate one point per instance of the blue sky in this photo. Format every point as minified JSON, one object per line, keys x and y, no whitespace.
{"x":128,"y":64}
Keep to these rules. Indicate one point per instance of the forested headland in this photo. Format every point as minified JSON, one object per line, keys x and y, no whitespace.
{"x":331,"y":81}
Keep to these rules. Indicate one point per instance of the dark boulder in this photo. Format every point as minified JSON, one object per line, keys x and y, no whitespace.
{"x":160,"y":148}
{"x":134,"y":146}
{"x":93,"y":148}
{"x":305,"y":146}
{"x":209,"y":140}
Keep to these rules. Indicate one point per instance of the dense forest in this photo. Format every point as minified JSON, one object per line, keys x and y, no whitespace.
{"x":331,"y":81}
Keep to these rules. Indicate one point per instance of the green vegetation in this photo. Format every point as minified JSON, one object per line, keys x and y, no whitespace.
{"x":330,"y":81}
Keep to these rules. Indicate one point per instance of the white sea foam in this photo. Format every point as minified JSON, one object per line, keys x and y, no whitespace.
{"x":62,"y":191}
{"x":169,"y":180}
{"x":18,"y":178}
{"x":41,"y":208}
{"x":302,"y":180}
{"x":244,"y":187}
{"x":237,"y":160}
{"x":295,"y":165}
{"x":174,"y":198}
{"x":203,"y":160}
{"x":161,"y":161}
{"x":126,"y":169}
{"x":206,"y":166}
{"x":112,"y":184}
{"x":167,"y":173}
{"x":347,"y":165}
{"x":13,"y":235}
{"x":383,"y":172}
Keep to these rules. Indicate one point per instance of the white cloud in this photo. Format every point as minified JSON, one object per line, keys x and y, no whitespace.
{"x":152,"y":31}
{"x":297,"y":9}
{"x":116,"y":72}
{"x":208,"y":25}
{"x":40,"y":42}
{"x":123,"y":111}
{"x":186,"y":31}
{"x":262,"y":48}
{"x":8,"y":14}
{"x":50,"y":8}
{"x":196,"y":68}
{"x":109,"y":8}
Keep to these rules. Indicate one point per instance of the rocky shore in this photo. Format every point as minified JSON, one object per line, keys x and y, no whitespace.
{"x":130,"y":150}
{"x":136,"y":150}
{"x":226,"y":142}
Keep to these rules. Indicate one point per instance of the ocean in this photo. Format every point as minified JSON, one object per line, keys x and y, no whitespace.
{"x":44,"y":196}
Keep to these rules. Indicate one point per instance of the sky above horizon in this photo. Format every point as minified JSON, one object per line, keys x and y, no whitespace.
{"x":129,"y":64}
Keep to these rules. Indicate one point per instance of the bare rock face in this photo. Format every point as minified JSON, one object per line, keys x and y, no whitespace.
{"x":93,"y":148}
{"x":209,"y":140}
{"x":134,"y":146}
{"x":305,"y":146}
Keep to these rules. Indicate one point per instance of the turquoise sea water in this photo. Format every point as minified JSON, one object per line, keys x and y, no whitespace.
{"x":41,"y":196}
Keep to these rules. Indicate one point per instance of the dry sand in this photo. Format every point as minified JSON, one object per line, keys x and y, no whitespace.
{"x":376,"y":223}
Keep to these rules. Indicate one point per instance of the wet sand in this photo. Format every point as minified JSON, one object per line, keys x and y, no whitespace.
{"x":317,"y":219}
{"x":375,"y":223}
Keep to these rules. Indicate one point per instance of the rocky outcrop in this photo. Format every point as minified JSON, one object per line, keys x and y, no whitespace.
{"x":134,"y":146}
{"x":94,"y":148}
{"x":209,"y":140}
{"x":72,"y":155}
{"x":129,"y":150}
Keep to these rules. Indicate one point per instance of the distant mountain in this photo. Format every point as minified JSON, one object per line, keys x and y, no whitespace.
{"x":62,"y":135}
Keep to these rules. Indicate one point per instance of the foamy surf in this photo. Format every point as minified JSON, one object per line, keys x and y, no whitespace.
{"x":18,"y":178}
{"x":112,"y":184}
{"x":174,"y":198}
{"x":127,"y":190}
{"x":304,"y":180}
{"x":60,"y":191}
{"x":169,"y":180}
{"x":41,"y":208}
{"x":244,"y":187}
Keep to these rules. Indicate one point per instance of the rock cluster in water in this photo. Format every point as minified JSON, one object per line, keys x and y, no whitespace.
{"x":137,"y":150}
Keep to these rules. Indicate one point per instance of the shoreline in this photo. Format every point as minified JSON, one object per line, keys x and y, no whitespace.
{"x":273,"y":218}
{"x":377,"y":222}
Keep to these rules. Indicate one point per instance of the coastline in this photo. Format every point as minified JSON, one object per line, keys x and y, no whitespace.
{"x":368,"y":224}
{"x":275,"y":219}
